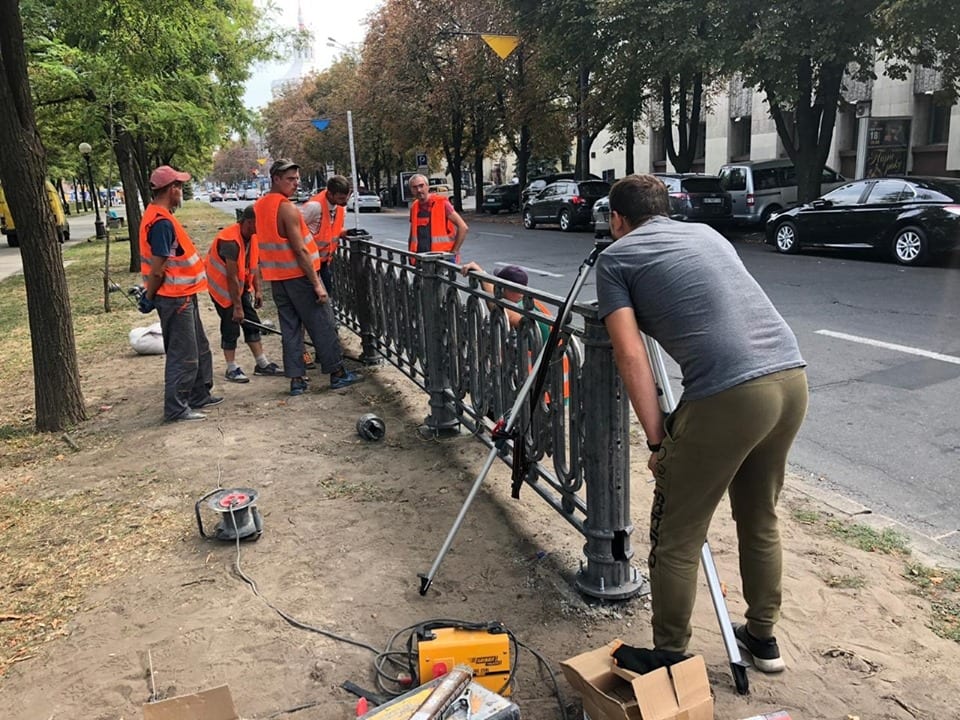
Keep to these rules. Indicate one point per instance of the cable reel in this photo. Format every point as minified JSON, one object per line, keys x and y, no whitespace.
{"x":240,"y":518}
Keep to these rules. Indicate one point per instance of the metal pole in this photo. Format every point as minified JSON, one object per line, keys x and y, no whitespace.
{"x":353,"y":170}
{"x":363,"y":304}
{"x":98,"y":223}
{"x":442,"y":420}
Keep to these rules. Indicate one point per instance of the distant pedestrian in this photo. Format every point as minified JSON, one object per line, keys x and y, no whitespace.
{"x":744,"y":399}
{"x":434,"y":225}
{"x":290,"y":261}
{"x":173,"y":276}
{"x":233,"y":279}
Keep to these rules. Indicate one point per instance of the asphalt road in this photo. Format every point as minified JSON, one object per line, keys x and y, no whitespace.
{"x":882,"y":343}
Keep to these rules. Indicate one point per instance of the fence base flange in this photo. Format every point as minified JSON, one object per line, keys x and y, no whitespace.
{"x":589,"y":587}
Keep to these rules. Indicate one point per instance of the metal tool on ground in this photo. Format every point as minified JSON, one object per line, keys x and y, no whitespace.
{"x":371,"y":427}
{"x":505,"y":428}
{"x":667,"y":404}
{"x":271,"y":331}
{"x":239,"y":516}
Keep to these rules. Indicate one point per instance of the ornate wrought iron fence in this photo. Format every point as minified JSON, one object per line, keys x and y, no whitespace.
{"x":454,"y":340}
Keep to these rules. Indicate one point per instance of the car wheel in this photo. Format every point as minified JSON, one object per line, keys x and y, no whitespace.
{"x":909,"y":246}
{"x":528,"y":222}
{"x":566,"y":220}
{"x":785,"y":238}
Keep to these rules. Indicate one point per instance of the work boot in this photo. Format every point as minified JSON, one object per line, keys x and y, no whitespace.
{"x":298,"y":386}
{"x":343,"y":378}
{"x":186,"y":416}
{"x":209,"y":401}
{"x":268,"y":369}
{"x":764,"y":651}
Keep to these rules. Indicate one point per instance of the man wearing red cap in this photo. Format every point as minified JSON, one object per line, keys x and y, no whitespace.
{"x":173,"y":275}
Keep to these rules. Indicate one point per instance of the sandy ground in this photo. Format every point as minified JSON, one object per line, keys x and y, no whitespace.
{"x":348,"y":524}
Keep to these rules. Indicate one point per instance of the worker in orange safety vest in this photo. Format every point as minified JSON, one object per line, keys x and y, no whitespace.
{"x":434,"y":225}
{"x":327,"y":229}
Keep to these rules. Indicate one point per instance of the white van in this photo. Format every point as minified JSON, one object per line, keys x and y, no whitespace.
{"x":760,"y":188}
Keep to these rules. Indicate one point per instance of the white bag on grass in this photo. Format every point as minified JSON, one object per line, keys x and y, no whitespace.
{"x":147,"y":340}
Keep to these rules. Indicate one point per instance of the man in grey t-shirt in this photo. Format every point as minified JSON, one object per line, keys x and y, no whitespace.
{"x":744,"y":399}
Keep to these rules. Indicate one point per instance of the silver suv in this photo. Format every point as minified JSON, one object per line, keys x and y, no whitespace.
{"x":760,"y":188}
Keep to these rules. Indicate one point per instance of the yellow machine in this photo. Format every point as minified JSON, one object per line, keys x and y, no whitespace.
{"x":486,"y":651}
{"x":9,"y":228}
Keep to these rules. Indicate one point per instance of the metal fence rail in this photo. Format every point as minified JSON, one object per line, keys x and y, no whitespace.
{"x":454,"y":340}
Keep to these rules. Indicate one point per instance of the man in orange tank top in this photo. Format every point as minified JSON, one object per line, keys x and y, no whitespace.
{"x":173,"y":276}
{"x":290,"y":261}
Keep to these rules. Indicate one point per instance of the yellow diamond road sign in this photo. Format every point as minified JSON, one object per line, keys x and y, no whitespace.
{"x":502,"y":45}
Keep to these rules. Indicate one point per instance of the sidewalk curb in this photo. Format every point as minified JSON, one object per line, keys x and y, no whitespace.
{"x":926,"y":549}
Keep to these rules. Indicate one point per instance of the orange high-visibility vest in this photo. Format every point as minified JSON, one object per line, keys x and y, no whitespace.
{"x":217,"y":269}
{"x":277,"y":260}
{"x":566,"y":361}
{"x":328,"y":236}
{"x":183,"y":275}
{"x":442,"y":231}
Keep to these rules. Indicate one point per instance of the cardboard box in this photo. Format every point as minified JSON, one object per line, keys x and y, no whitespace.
{"x":612,"y":693}
{"x":215,"y":704}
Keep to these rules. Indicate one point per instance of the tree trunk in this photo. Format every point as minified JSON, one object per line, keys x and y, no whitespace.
{"x":629,"y":148}
{"x":584,"y":142}
{"x":59,"y":402}
{"x":122,"y":149}
{"x":816,"y":116}
{"x":688,"y":122}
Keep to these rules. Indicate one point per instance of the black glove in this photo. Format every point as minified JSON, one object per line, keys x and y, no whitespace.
{"x":642,"y":660}
{"x":145,"y":304}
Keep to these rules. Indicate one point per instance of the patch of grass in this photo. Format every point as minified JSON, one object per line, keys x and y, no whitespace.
{"x":846,"y":582}
{"x":886,"y":541}
{"x":337,"y":488}
{"x":942,"y":588}
{"x":806,"y":516}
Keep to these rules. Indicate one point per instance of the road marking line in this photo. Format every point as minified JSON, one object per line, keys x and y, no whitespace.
{"x":891,"y":346}
{"x":503,"y":235}
{"x":535,"y":271}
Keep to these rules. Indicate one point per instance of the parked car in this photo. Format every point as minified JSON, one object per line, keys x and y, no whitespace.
{"x":367,"y":201}
{"x":441,"y":190}
{"x":908,"y":218}
{"x":567,"y":202}
{"x":601,"y":217}
{"x":538,"y":183}
{"x":230,"y":196}
{"x":8,"y":226}
{"x":501,"y":197}
{"x":249,"y":193}
{"x":761,"y":188}
{"x":302,"y":195}
{"x":216,"y":196}
{"x":698,"y":198}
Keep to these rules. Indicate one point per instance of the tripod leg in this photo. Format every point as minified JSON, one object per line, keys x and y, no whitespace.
{"x":737,"y":666}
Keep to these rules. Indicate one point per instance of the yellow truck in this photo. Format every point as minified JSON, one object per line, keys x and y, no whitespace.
{"x":8,"y":228}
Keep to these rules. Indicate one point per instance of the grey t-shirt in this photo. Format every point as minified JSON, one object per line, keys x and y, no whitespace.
{"x":691,"y":293}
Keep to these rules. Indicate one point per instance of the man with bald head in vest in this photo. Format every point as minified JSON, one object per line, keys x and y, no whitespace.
{"x":329,"y":231}
{"x":173,"y":276}
{"x":434,"y":225}
{"x":290,"y":261}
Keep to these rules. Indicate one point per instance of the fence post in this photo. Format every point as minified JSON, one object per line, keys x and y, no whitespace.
{"x":360,"y":273}
{"x":608,"y":573}
{"x":442,"y":420}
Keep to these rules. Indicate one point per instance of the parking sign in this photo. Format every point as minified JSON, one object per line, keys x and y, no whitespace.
{"x":422,"y":160}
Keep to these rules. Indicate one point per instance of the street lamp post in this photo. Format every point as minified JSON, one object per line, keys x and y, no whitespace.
{"x":85,"y":149}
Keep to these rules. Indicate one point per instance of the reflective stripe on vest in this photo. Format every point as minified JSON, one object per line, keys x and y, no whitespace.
{"x":217,"y":281}
{"x":277,"y":259}
{"x":442,"y":231}
{"x":183,"y":275}
{"x":328,"y":236}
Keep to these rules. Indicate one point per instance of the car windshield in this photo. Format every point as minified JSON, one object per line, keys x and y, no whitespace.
{"x":702,"y":185}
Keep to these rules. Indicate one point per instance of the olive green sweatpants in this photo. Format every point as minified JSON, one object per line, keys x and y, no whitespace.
{"x":736,"y":440}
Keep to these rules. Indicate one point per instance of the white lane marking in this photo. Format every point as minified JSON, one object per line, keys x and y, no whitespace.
{"x":535,"y":271}
{"x":495,"y":235}
{"x":891,"y":346}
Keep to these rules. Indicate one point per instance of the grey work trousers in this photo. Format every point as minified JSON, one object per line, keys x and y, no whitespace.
{"x":297,"y":308}
{"x":188,"y":373}
{"x":736,"y":441}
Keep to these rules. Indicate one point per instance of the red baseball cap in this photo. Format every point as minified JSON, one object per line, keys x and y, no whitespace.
{"x":164,"y":175}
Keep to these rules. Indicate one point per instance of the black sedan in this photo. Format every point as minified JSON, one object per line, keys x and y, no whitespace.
{"x":908,"y":218}
{"x":501,"y":197}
